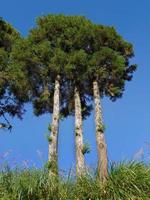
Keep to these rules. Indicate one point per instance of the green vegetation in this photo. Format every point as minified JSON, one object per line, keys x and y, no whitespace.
{"x":69,"y":61}
{"x":126,"y":181}
{"x":13,"y":83}
{"x":63,"y":64}
{"x":86,"y":148}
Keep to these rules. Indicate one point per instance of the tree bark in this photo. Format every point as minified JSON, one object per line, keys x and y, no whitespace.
{"x":53,"y":142}
{"x":100,"y":139}
{"x":78,"y":134}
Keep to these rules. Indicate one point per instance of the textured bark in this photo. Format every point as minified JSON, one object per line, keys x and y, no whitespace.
{"x":53,"y":143}
{"x":78,"y":134}
{"x":100,"y":139}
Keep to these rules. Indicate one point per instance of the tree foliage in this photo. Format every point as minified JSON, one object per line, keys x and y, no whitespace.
{"x":109,"y":62}
{"x":56,"y":46}
{"x":12,"y":78}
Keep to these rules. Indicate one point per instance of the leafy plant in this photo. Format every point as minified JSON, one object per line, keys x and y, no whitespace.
{"x":50,"y":127}
{"x":86,"y":148}
{"x":49,"y":138}
{"x":102,"y":128}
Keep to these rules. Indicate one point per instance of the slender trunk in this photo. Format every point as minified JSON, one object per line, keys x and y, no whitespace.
{"x":53,"y":142}
{"x":78,"y":134}
{"x":100,"y":139}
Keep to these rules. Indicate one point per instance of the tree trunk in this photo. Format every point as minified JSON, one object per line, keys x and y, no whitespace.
{"x":100,"y":139}
{"x":53,"y":140}
{"x":78,"y":134}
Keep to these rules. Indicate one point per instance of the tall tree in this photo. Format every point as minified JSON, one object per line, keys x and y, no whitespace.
{"x":75,"y":70}
{"x":44,"y":68}
{"x":108,"y":71}
{"x":66,"y":37}
{"x":44,"y":55}
{"x":76,"y":46}
{"x":12,"y":79}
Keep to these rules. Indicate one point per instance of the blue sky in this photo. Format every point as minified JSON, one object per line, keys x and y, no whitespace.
{"x":127,"y":120}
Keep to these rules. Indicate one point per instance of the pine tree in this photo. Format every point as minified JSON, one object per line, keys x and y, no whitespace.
{"x":66,"y":37}
{"x":109,"y":68}
{"x":75,"y":71}
{"x":12,"y":79}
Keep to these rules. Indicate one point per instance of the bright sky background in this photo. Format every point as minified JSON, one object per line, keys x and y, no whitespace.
{"x":127,"y":120}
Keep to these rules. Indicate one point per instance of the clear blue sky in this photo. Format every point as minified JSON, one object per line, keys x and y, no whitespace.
{"x":127,"y":120}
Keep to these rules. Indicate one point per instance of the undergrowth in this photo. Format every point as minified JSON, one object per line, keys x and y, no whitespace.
{"x":127,"y":181}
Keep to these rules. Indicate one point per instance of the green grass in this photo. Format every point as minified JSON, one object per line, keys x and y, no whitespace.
{"x":127,"y":181}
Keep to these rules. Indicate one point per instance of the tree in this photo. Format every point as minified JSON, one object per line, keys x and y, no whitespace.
{"x":43,"y":68}
{"x":65,"y":34}
{"x":52,"y":46}
{"x":12,"y":80}
{"x":109,"y":68}
{"x":67,"y":61}
{"x":75,"y":71}
{"x":44,"y":61}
